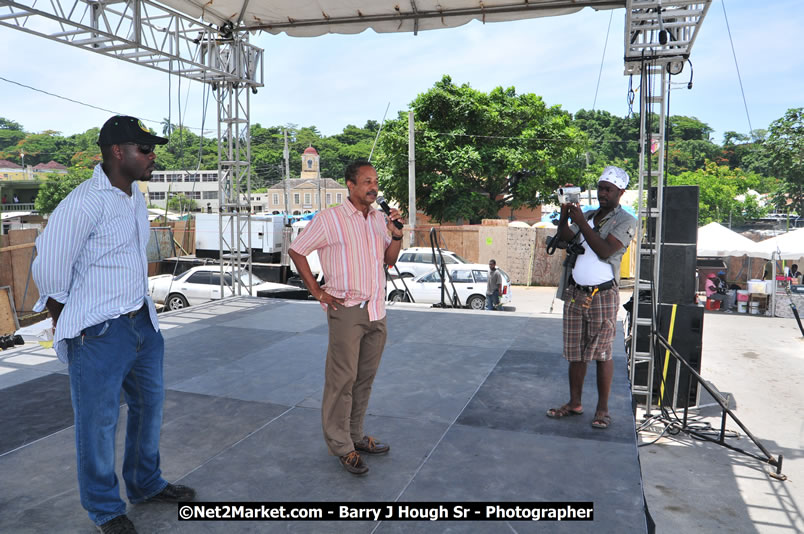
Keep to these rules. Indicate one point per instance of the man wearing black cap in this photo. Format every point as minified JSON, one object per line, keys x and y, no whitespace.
{"x":92,"y":275}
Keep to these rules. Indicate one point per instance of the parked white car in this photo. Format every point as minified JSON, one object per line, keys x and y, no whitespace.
{"x":469,"y":280}
{"x":416,"y":261}
{"x":200,"y":284}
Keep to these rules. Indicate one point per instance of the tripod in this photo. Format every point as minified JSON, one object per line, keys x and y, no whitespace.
{"x":676,"y":425}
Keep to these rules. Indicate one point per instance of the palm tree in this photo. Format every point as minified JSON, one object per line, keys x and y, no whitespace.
{"x":167,"y":128}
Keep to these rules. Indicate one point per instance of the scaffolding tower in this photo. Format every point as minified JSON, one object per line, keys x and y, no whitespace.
{"x":155,"y":36}
{"x":658,"y":41}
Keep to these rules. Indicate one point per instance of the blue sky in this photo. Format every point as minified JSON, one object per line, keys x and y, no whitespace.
{"x":333,"y":80}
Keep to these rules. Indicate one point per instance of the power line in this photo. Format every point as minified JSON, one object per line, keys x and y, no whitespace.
{"x":600,"y":73}
{"x":81,"y":103}
{"x":739,"y":78}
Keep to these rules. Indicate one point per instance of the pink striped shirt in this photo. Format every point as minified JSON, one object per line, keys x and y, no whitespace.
{"x":351,"y":248}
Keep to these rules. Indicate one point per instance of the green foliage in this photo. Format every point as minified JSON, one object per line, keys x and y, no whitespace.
{"x":784,"y":150}
{"x":718,"y":186}
{"x":38,"y":148}
{"x":8,"y":124}
{"x":58,"y":186}
{"x":612,"y":140}
{"x":182,"y":151}
{"x":181,"y":203}
{"x":681,"y":128}
{"x":10,"y":134}
{"x":468,"y":144}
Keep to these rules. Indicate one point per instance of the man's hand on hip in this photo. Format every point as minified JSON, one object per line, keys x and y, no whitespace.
{"x":328,"y":299}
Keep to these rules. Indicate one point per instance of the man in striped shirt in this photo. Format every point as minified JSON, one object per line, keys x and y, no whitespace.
{"x":92,"y":275}
{"x":353,"y":244}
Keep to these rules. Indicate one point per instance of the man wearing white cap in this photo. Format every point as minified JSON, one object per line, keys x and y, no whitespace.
{"x":590,"y":290}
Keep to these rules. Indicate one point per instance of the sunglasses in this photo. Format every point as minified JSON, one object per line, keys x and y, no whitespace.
{"x":145,"y":149}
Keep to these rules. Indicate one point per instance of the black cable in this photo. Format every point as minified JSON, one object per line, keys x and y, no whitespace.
{"x":602,"y":59}
{"x":737,"y":66}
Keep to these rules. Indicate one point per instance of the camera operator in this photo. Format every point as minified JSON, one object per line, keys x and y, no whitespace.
{"x":590,"y":289}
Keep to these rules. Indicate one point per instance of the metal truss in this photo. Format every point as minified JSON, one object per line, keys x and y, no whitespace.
{"x":234,"y":184}
{"x":661,"y":31}
{"x":141,"y":32}
{"x":152,"y":35}
{"x":654,"y":91}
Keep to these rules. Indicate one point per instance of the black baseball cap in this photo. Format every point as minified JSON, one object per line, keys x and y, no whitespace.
{"x":124,"y":129}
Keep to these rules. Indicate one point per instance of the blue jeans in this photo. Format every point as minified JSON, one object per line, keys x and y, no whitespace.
{"x":492,"y":300}
{"x":126,"y":353}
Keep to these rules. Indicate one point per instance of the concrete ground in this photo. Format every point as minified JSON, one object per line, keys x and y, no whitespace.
{"x":696,"y":486}
{"x":460,"y":395}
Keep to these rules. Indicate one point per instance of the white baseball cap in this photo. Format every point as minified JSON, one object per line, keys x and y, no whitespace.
{"x":614,"y":175}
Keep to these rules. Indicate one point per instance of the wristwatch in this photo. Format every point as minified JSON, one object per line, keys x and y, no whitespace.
{"x":396,"y":238}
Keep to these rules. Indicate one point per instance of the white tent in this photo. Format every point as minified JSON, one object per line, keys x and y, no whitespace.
{"x":788,"y":246}
{"x":717,"y":240}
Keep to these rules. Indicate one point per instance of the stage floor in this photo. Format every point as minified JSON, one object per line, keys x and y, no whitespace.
{"x":459,"y":395}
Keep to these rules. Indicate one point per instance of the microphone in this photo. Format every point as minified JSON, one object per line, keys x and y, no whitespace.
{"x":384,"y":205}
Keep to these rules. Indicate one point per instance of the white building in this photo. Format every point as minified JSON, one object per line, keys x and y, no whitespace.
{"x":201,"y":186}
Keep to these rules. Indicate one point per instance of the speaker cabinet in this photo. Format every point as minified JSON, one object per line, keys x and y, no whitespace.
{"x":687,"y":340}
{"x":679,"y":215}
{"x":676,"y":273}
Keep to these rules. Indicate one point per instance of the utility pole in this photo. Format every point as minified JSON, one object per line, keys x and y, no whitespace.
{"x":411,"y":180}
{"x":287,"y":178}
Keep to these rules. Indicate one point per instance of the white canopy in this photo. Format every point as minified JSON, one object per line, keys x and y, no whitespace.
{"x":6,"y":215}
{"x":717,"y":240}
{"x":310,"y":18}
{"x":788,"y":246}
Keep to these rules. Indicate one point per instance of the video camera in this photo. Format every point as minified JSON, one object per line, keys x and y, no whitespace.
{"x":569,"y":195}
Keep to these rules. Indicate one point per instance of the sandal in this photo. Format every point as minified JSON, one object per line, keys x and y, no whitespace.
{"x":602,"y":422}
{"x":564,"y":411}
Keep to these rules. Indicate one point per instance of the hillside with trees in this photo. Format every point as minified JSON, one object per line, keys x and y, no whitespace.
{"x":477,"y":151}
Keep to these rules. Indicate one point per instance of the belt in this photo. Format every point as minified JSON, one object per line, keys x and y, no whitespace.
{"x":589,"y":289}
{"x":134,"y":313}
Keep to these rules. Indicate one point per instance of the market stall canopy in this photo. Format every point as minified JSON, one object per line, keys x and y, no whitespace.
{"x":715,"y":240}
{"x":788,"y":246}
{"x":312,"y":18}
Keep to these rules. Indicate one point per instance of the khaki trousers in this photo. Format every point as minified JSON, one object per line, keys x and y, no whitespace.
{"x":353,"y":356}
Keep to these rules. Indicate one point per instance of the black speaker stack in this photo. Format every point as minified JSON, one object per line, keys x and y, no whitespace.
{"x":676,"y":287}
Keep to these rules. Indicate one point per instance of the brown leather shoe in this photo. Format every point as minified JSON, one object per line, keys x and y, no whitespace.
{"x":354,"y":463}
{"x":370,"y":445}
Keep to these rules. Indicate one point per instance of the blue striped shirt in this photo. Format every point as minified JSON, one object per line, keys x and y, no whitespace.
{"x":91,"y":257}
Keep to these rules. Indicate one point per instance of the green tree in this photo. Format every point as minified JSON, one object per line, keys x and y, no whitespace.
{"x":610,"y":138}
{"x":470,"y":147}
{"x":58,"y":186}
{"x":38,"y":148}
{"x":718,"y":188}
{"x":784,"y":150}
{"x":181,"y":203}
{"x":11,"y":133}
{"x":182,"y":152}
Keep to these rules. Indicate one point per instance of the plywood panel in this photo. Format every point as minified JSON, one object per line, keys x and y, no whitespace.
{"x":492,"y":243}
{"x":546,"y":269}
{"x":6,"y":271}
{"x":21,"y":268}
{"x":8,"y":316}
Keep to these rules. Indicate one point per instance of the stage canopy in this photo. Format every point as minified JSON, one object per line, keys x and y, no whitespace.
{"x":717,"y":240}
{"x":317,"y":17}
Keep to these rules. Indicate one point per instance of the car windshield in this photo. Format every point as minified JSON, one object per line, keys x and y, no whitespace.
{"x":255,"y":280}
{"x":460,"y":260}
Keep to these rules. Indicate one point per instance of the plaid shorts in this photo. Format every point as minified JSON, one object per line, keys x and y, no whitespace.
{"x":589,"y":332}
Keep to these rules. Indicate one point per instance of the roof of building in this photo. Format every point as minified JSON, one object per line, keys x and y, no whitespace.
{"x":50,"y":166}
{"x":5,"y":164}
{"x":293,"y":183}
{"x":310,"y":150}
